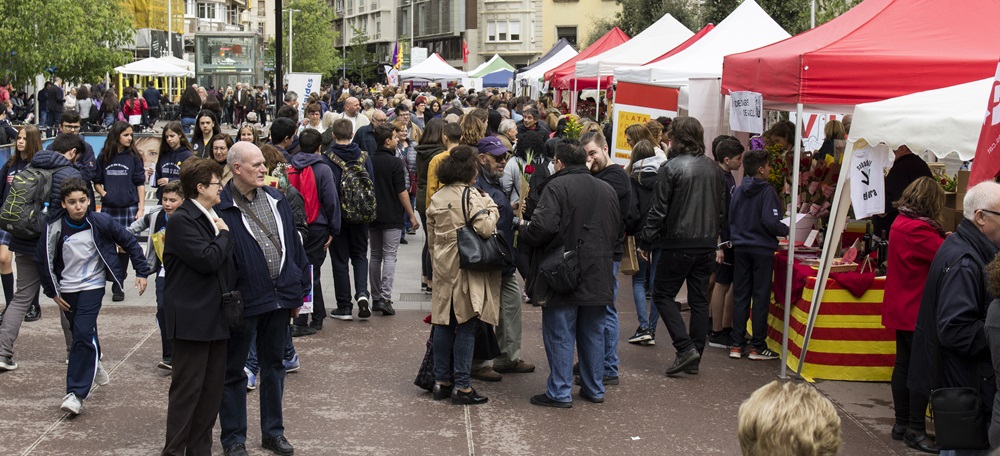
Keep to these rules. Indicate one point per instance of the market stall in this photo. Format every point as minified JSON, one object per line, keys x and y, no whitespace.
{"x":558,"y":77}
{"x":434,"y":69}
{"x":531,"y":77}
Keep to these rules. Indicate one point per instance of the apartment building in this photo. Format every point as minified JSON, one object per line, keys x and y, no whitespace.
{"x":572,"y":19}
{"x":511,"y":28}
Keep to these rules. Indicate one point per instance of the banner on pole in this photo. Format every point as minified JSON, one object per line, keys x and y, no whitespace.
{"x":391,"y":75}
{"x":304,"y":84}
{"x":746,"y":112}
{"x":986,"y":165}
{"x":635,"y":104}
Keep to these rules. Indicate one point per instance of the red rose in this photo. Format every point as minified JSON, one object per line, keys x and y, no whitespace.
{"x":943,"y":181}
{"x":529,"y":169}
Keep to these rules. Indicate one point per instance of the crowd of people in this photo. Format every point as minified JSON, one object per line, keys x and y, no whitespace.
{"x":252,"y":218}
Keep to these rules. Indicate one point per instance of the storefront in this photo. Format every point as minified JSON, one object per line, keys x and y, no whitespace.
{"x":225,"y":58}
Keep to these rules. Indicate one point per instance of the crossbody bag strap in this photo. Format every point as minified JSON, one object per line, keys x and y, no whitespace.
{"x":249,"y":213}
{"x":467,"y":198}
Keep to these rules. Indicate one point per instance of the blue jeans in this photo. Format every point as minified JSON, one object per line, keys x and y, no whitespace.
{"x":562,"y":326}
{"x":454,"y":342}
{"x":252,"y":364}
{"x":85,"y":352}
{"x":641,"y":282}
{"x":271,"y":329}
{"x":611,"y":331}
{"x":187,"y":123}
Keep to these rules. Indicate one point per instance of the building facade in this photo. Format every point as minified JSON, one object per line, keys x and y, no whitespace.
{"x":573,"y":19}
{"x":511,"y":28}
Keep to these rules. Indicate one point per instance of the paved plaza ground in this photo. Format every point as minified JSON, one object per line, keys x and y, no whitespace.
{"x":354,"y":394}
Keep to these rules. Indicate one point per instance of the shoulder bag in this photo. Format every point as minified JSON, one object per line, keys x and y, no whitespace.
{"x":476,"y":253}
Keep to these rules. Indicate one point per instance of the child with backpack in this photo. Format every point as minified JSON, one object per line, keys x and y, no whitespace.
{"x":71,"y":245}
{"x":352,"y":173}
{"x":120,"y":180}
{"x":27,"y":142}
{"x":174,"y":149}
{"x":156,"y":222}
{"x":755,"y":225}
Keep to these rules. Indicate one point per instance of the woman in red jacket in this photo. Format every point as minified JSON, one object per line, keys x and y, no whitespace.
{"x":916,"y":236}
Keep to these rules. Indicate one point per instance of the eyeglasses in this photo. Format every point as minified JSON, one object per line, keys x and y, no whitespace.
{"x":213,"y":183}
{"x":69,"y":127}
{"x":990,"y":212}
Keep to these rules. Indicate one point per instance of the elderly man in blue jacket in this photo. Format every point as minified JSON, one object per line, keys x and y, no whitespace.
{"x":273,"y":279}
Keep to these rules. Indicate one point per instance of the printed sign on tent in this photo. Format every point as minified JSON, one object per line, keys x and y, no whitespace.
{"x":814,"y":128}
{"x":746,"y":112}
{"x":391,"y":75}
{"x":636,"y":104}
{"x":304,"y":84}
{"x":986,"y":165}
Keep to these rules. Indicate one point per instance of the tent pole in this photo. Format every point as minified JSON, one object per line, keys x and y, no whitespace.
{"x":574,"y":96}
{"x":792,"y":212}
{"x":597,"y":108}
{"x":838,"y":220}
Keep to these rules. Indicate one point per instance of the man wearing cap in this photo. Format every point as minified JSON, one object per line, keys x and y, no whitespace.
{"x":492,"y":159}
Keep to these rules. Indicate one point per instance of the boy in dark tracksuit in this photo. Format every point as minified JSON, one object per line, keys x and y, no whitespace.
{"x":755,"y":224}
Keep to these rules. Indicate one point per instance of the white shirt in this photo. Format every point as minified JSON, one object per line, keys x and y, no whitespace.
{"x":210,"y":213}
{"x":82,"y":269}
{"x":868,"y":181}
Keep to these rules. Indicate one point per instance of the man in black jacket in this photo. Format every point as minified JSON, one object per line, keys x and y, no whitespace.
{"x":950,"y":348}
{"x":601,"y":166}
{"x":575,"y":211}
{"x":55,"y":103}
{"x":685,"y":220}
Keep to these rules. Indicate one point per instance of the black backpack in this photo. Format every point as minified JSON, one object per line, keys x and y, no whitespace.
{"x":23,"y":212}
{"x":357,"y":191}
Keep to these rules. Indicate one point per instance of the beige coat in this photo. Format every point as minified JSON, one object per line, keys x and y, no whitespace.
{"x":471,"y":293}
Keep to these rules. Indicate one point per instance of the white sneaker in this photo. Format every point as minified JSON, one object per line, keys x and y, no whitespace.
{"x":71,"y":404}
{"x":101,"y":377}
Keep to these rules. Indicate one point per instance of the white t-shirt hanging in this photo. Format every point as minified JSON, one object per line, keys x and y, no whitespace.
{"x":868,"y":180}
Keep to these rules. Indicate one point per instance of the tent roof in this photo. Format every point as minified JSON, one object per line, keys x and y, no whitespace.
{"x":686,"y":44}
{"x":554,"y":61}
{"x":186,"y":64}
{"x":939,"y":121}
{"x":498,"y":78}
{"x":491,"y":65}
{"x":703,"y":59}
{"x":432,"y":69}
{"x":154,"y":67}
{"x":560,"y":75}
{"x":665,"y":33}
{"x":879,"y":49}
{"x":556,"y":50}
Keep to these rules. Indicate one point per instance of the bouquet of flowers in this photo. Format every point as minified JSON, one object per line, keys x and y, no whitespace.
{"x":948,"y":183}
{"x":572,"y":130}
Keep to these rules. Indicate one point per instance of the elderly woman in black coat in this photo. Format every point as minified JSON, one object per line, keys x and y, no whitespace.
{"x":198,"y":260}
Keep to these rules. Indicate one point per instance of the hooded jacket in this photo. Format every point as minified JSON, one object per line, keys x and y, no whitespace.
{"x":348,"y":153}
{"x":643,"y":179}
{"x":47,"y":159}
{"x":326,"y":187}
{"x":169,"y":166}
{"x":755,"y":217}
{"x":686,"y":212}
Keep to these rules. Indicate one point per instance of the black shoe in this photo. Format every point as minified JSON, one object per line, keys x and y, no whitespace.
{"x":34,"y":313}
{"x":545,"y":401}
{"x":919,"y":441}
{"x":467,"y":398}
{"x":607,"y":380}
{"x":363,"y":310}
{"x":278,"y":445}
{"x":576,"y":369}
{"x":385,"y":307}
{"x":236,"y":450}
{"x":897,"y":432}
{"x":403,"y":241}
{"x":691,"y":370}
{"x":588,"y":398}
{"x":641,"y":335}
{"x":299,"y":331}
{"x":683,"y":361}
{"x":441,"y":392}
{"x":117,"y":294}
{"x":720,"y":340}
{"x":316,"y":324}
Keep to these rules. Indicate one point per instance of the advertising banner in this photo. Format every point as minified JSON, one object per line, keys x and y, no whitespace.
{"x":304,"y":84}
{"x":638,"y":103}
{"x":987,"y":162}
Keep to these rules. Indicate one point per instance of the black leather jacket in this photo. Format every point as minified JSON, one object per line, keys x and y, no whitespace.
{"x":687,"y":207}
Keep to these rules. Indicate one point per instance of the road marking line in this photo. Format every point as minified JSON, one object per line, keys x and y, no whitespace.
{"x":468,"y":431}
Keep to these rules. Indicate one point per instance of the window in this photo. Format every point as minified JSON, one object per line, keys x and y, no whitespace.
{"x":206,"y":10}
{"x":567,"y":32}
{"x":503,"y":30}
{"x":189,"y":8}
{"x":261,"y":8}
{"x":233,"y":15}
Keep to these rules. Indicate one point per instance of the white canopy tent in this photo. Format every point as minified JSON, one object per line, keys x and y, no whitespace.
{"x":433,"y":69}
{"x":533,"y":77}
{"x":748,"y":27}
{"x":186,"y":64}
{"x":154,"y":67}
{"x":666,"y":33}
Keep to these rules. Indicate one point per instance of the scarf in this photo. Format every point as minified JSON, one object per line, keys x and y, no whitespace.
{"x":904,"y":210}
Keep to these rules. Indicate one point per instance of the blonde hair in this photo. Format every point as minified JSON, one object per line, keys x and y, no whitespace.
{"x":589,"y":126}
{"x":655,"y":128}
{"x":834,"y":129}
{"x":788,"y":419}
{"x":473,"y":130}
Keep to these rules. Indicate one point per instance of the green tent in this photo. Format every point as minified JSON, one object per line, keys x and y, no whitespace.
{"x":494,"y":64}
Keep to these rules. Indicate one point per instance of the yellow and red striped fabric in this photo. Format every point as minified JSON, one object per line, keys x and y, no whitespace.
{"x":848,"y":340}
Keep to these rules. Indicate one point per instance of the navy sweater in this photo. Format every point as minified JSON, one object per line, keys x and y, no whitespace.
{"x":755,"y":218}
{"x":120,"y":178}
{"x":168,"y":165}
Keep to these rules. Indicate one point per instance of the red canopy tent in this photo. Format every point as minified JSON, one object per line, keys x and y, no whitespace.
{"x":561,"y":76}
{"x":680,"y":47}
{"x":879,"y":49}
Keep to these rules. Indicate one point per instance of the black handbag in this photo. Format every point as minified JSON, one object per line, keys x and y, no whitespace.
{"x":960,"y":423}
{"x":476,"y":253}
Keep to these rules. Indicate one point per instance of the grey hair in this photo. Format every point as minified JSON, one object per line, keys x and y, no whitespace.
{"x":291,"y":96}
{"x":507,"y":125}
{"x":452,"y":118}
{"x":984,"y":195}
{"x":368,"y":103}
{"x":504,"y":112}
{"x":238,"y":152}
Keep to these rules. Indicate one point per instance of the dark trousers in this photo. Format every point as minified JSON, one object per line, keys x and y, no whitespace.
{"x":271,"y":328}
{"x":350,"y":245}
{"x":199,"y":369}
{"x":55,"y":118}
{"x":238,"y":115}
{"x":910,"y":406}
{"x":674,"y":268}
{"x":85,"y":352}
{"x":316,"y":255}
{"x":426,"y":269}
{"x":751,"y":280}
{"x":167,"y":348}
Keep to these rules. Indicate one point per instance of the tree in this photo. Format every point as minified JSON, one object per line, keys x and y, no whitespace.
{"x":79,"y":40}
{"x":598,"y":28}
{"x":637,"y":15}
{"x":315,"y":48}
{"x":714,"y":11}
{"x":359,"y":58}
{"x":827,"y":10}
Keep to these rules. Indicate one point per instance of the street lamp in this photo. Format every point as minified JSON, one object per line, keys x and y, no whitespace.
{"x":290,"y":11}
